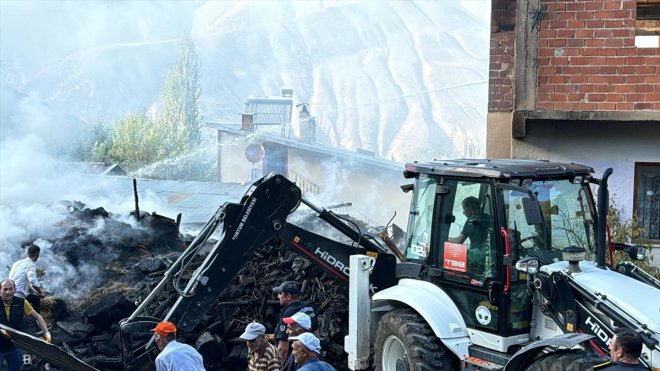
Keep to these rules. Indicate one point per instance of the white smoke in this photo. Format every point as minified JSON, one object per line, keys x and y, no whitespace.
{"x":35,"y":140}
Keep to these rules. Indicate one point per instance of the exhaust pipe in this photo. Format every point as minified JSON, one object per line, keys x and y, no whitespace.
{"x":603,"y":205}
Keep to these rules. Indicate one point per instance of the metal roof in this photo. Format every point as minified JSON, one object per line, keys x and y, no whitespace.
{"x":100,"y":168}
{"x":357,"y":156}
{"x":499,"y":168}
{"x":196,"y":201}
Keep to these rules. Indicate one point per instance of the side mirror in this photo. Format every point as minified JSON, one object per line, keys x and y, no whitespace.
{"x":532,"y":211}
{"x":636,"y":252}
{"x":528,"y":265}
{"x":407,"y":187}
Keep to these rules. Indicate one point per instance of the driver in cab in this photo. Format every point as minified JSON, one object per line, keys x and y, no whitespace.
{"x":476,"y":225}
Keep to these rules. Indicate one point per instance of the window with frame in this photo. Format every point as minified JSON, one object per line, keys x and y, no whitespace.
{"x":647,"y":199}
{"x":647,"y":24}
{"x":421,"y":220}
{"x":469,"y":253}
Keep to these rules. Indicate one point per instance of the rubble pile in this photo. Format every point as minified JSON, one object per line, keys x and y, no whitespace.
{"x":135,"y":260}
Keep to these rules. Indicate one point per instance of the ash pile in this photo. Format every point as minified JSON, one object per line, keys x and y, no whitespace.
{"x":136,"y":258}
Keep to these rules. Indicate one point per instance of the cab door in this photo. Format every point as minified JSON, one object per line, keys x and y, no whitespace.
{"x":522,"y":222}
{"x":464,"y":255}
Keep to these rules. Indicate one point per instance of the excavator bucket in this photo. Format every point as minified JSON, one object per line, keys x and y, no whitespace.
{"x":46,"y":351}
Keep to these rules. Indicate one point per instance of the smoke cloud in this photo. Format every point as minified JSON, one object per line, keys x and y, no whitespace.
{"x":38,"y":134}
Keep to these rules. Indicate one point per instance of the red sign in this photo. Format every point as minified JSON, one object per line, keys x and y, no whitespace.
{"x":455,"y":257}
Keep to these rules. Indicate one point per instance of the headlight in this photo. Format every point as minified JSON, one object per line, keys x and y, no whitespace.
{"x":528,"y":265}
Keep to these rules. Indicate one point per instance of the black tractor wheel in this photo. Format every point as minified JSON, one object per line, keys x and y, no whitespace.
{"x":566,"y":360}
{"x":405,"y":342}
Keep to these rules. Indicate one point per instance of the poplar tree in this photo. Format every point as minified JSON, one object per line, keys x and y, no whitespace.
{"x":181,"y":92}
{"x":139,"y":139}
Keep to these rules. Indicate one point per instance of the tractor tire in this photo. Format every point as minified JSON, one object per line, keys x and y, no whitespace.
{"x":566,"y":360}
{"x":405,"y":342}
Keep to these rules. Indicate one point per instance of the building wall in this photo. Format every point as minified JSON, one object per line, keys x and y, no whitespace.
{"x":501,"y":67}
{"x":374,"y":191}
{"x":233,"y":166}
{"x":565,"y":60}
{"x":586,"y":57}
{"x":588,"y":61}
{"x":597,"y":144}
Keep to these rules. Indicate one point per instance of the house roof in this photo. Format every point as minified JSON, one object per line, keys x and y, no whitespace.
{"x":358,"y":156}
{"x":99,"y":168}
{"x":196,"y":201}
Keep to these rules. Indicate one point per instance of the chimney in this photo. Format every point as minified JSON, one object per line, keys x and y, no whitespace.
{"x":307,"y":124}
{"x":287,"y":92}
{"x":247,"y":121}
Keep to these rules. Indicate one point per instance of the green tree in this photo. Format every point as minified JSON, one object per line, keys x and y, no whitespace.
{"x":93,"y":143}
{"x":181,"y":93}
{"x":136,"y":140}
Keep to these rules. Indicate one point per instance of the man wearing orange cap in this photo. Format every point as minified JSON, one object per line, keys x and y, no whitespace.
{"x":174,"y":355}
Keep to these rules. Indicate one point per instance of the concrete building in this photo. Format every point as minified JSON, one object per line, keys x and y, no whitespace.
{"x":326,"y":175}
{"x":579,"y":81}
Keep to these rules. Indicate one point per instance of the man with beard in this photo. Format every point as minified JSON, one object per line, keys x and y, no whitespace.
{"x":262,"y":355}
{"x":296,"y":325}
{"x":16,"y":309}
{"x":287,"y":294}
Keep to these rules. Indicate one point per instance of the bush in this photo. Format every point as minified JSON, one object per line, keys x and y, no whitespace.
{"x":629,"y":232}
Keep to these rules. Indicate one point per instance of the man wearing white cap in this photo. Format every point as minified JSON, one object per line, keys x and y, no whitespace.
{"x":288,"y":293}
{"x":306,"y":351}
{"x":295,"y":325}
{"x":262,"y":355}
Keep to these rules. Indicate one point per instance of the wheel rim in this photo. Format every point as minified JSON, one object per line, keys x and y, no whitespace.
{"x":393,"y":351}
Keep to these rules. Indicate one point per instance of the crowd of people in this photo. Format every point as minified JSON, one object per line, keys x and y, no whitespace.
{"x":295,"y":343}
{"x":298,"y":347}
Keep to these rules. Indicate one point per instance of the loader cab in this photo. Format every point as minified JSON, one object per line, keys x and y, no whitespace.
{"x":469,"y":224}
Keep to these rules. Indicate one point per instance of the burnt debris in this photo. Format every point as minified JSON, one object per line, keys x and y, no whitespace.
{"x":133,"y":260}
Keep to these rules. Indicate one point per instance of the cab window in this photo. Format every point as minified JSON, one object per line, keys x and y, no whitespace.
{"x":467,"y":246}
{"x":421,"y":219}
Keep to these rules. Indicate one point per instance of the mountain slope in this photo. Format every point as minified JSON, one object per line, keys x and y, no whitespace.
{"x":406,"y":80}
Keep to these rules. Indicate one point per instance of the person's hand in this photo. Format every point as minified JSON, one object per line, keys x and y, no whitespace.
{"x":48,"y":338}
{"x":5,"y":334}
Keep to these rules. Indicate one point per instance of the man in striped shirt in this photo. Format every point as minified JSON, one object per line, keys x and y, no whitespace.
{"x":262,"y":355}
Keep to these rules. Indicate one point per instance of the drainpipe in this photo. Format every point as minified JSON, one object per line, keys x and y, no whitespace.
{"x":603,"y":199}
